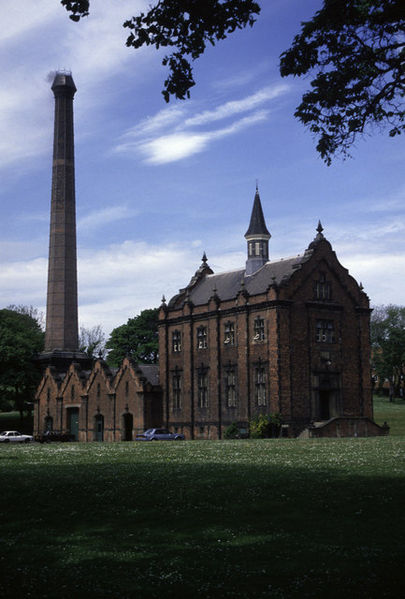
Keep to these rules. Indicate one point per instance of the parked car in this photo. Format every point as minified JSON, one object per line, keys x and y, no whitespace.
{"x":159,"y":434}
{"x":53,"y":436}
{"x":15,"y":437}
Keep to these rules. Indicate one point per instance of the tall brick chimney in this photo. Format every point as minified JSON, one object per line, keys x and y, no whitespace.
{"x":61,"y":336}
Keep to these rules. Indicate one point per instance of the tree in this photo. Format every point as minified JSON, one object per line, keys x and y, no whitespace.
{"x":355,"y":48}
{"x":21,"y":338}
{"x":30,"y":311}
{"x":187,"y":26}
{"x":388,"y":343}
{"x":92,"y":341}
{"x":137,"y":339}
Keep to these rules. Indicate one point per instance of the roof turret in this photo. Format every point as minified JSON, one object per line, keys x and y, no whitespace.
{"x":257,"y":225}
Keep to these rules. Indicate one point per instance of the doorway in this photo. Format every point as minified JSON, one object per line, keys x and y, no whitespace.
{"x":324,"y":404}
{"x":99,"y":427}
{"x":128,"y":422}
{"x":73,"y":422}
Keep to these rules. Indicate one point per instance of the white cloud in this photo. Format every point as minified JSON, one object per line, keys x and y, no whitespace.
{"x":183,"y":144}
{"x":94,"y":49}
{"x":237,"y":106}
{"x":169,"y":136}
{"x":152,"y":124}
{"x":171,"y":148}
{"x":104,"y":216}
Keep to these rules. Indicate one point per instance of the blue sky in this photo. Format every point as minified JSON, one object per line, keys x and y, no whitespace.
{"x":157,"y":184}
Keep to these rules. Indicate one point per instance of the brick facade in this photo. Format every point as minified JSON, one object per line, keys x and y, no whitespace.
{"x":291,"y":338}
{"x":100,"y":404}
{"x":287,"y":337}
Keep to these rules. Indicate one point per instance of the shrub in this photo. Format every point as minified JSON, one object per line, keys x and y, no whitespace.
{"x":265,"y":426}
{"x":232,"y":431}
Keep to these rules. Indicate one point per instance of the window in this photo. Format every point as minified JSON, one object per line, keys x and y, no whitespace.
{"x":98,"y":390}
{"x":322,"y":288}
{"x":176,"y":388}
{"x":72,"y":392}
{"x":203,"y":389}
{"x":229,"y":338}
{"x":126,"y":388}
{"x":259,"y":329}
{"x":325,"y":332}
{"x":260,"y":386}
{"x":230,"y":388}
{"x":48,"y":395}
{"x":202,"y":342}
{"x":176,"y":341}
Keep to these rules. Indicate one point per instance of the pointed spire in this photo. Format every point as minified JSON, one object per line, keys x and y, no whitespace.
{"x":319,"y":227}
{"x":257,"y":237}
{"x":257,"y":225}
{"x":204,"y":258}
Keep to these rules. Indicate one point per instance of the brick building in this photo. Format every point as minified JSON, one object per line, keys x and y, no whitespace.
{"x":289,"y":336}
{"x":100,"y":404}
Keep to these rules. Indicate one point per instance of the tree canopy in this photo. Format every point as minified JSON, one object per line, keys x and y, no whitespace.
{"x":388,"y":342}
{"x":354,"y":49}
{"x":137,"y":339}
{"x":21,"y":338}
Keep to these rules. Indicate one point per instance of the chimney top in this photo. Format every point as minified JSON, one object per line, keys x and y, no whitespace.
{"x":63,"y":83}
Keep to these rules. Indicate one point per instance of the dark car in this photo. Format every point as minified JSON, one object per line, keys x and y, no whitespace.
{"x":159,"y":434}
{"x":53,"y":436}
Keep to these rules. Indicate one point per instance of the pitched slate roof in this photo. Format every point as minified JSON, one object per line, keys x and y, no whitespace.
{"x":150,"y":372}
{"x":227,"y":285}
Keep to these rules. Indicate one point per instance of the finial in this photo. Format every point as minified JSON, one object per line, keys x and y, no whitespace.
{"x":319,"y":227}
{"x":257,"y":184}
{"x":361,"y":286}
{"x":163,"y":299}
{"x":204,"y":258}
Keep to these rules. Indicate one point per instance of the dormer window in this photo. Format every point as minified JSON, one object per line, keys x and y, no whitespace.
{"x":202,"y":338}
{"x":322,"y":288}
{"x":176,"y":341}
{"x":258,"y":334}
{"x":229,"y":338}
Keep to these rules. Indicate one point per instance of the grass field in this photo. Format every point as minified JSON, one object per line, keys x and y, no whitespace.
{"x":391,"y":412}
{"x":254,"y":518}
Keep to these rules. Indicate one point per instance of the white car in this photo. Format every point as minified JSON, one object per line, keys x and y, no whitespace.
{"x":15,"y":437}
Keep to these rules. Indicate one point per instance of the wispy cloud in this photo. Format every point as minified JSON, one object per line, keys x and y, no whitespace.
{"x":173,"y":134}
{"x":170,"y":148}
{"x":93,"y":49}
{"x":101,"y":217}
{"x":237,"y":106}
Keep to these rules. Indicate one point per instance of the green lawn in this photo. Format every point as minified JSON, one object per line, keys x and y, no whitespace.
{"x":391,"y":412}
{"x":255,"y":518}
